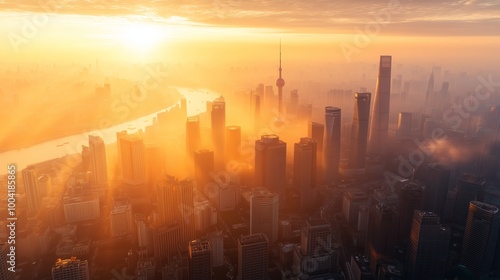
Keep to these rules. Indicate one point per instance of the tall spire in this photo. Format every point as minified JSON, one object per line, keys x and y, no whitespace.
{"x":280,"y":83}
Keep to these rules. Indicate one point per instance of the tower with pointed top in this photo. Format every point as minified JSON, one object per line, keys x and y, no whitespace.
{"x":280,"y":83}
{"x":430,"y":90}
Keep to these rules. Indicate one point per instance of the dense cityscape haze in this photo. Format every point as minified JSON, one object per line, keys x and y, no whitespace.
{"x":250,"y":140}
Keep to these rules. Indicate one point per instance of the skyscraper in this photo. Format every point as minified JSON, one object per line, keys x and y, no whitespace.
{"x":264,"y":213}
{"x":200,"y":264}
{"x":132,"y":155}
{"x":437,"y":179}
{"x":429,"y":94}
{"x":218,"y":119}
{"x":410,"y":200}
{"x":203,"y":166}
{"x":270,"y":163}
{"x":98,"y":160}
{"x":469,"y":188}
{"x":359,"y":132}
{"x":253,"y":257}
{"x":315,"y":254}
{"x":280,"y":83}
{"x":480,"y":238}
{"x":193,"y":135}
{"x":381,"y":234}
{"x":31,"y":188}
{"x":72,"y":268}
{"x":233,"y":143}
{"x":316,"y":131}
{"x":428,"y":248}
{"x":175,"y":204}
{"x":380,"y":118}
{"x":332,"y":143}
{"x":404,"y":124}
{"x":304,"y":171}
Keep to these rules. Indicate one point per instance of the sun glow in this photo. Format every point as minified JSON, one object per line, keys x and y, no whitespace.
{"x":141,"y":37}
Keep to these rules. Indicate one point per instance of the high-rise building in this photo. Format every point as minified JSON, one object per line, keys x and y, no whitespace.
{"x":316,"y":131}
{"x":350,"y":205}
{"x":121,"y":220}
{"x":233,"y":143}
{"x":176,"y":204}
{"x":410,"y":200}
{"x":480,"y":238}
{"x":218,"y":119}
{"x":429,"y":94}
{"x":304,"y":171}
{"x":469,"y":188}
{"x":216,"y":240}
{"x":315,"y":248}
{"x":436,"y":178}
{"x":78,"y":208}
{"x":31,"y":188}
{"x":253,"y":257}
{"x":280,"y":83}
{"x":132,"y":155}
{"x":264,"y":213}
{"x":98,"y":160}
{"x":428,"y":247}
{"x":359,"y":131}
{"x":380,"y":119}
{"x":72,"y":268}
{"x":404,"y":124}
{"x":331,"y":145}
{"x":270,"y":163}
{"x":294,"y":103}
{"x":193,"y":135}
{"x":381,"y":235}
{"x":200,"y":263}
{"x":166,"y":237}
{"x":203,"y":167}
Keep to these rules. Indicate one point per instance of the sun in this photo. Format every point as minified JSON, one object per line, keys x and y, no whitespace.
{"x":142,"y":37}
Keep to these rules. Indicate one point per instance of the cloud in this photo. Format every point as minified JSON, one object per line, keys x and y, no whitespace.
{"x":425,"y":17}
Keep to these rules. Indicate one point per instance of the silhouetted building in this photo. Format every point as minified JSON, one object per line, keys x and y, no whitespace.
{"x":469,"y":188}
{"x":429,"y":94}
{"x":359,"y":132}
{"x":428,"y":248}
{"x":315,"y":254}
{"x":166,"y":237}
{"x":203,"y":166}
{"x":332,"y":143}
{"x":304,"y":172}
{"x":33,"y":199}
{"x":218,"y":119}
{"x":73,"y":268}
{"x":270,"y":164}
{"x":253,"y":257}
{"x":121,"y":220}
{"x":350,"y":205}
{"x":216,"y":240}
{"x":480,"y":238}
{"x":233,"y":143}
{"x":264,"y":213}
{"x":132,"y":156}
{"x":410,"y":200}
{"x":381,"y":235}
{"x":98,"y":160}
{"x":294,"y":103}
{"x":404,"y":124}
{"x":200,"y":264}
{"x":436,"y":178}
{"x":316,"y":131}
{"x":380,"y":119}
{"x":193,"y":135}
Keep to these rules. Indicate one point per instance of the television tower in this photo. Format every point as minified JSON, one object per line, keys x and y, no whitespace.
{"x":280,"y":83}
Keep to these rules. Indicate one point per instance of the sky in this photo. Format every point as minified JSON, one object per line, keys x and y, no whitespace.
{"x":346,"y":30}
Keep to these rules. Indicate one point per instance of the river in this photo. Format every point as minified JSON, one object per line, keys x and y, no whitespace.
{"x":196,"y":103}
